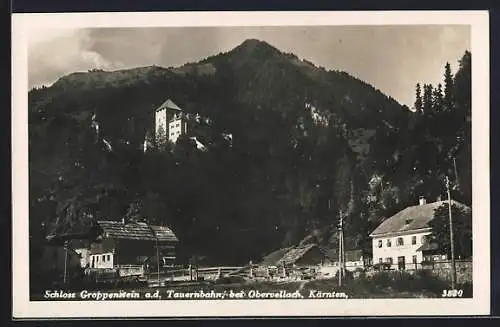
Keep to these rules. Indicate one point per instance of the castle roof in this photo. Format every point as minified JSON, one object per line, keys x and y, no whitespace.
{"x":169,"y":104}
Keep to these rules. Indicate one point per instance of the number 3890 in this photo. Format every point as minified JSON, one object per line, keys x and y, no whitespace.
{"x":452,"y":293}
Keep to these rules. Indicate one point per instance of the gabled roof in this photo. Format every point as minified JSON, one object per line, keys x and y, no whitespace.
{"x":273,"y":257}
{"x":412,"y":218}
{"x":136,"y":231}
{"x":428,"y":247}
{"x":288,"y":255}
{"x":294,"y":254}
{"x":169,"y":104}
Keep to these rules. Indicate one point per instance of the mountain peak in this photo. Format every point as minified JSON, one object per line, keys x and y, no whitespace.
{"x":253,"y":45}
{"x":253,"y":42}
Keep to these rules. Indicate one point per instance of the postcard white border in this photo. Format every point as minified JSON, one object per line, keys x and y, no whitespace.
{"x":478,"y":305}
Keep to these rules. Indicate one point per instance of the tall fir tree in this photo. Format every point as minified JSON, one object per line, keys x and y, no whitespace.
{"x":437,"y":99}
{"x":463,"y":87}
{"x":418,"y":99}
{"x":427,"y":104}
{"x":448,"y":88}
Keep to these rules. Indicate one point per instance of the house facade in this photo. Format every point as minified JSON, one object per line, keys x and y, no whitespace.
{"x":403,"y":240}
{"x":122,"y":245}
{"x":176,"y":127}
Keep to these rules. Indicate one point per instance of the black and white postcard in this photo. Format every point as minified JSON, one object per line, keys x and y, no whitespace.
{"x":211,"y":164}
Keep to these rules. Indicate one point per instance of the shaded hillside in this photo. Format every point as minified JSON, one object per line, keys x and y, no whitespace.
{"x":306,"y":143}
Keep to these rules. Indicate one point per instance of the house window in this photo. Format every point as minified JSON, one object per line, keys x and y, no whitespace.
{"x":108,"y":257}
{"x":424,"y":239}
{"x":379,"y":260}
{"x":400,"y":241}
{"x":413,"y":240}
{"x":389,"y":243}
{"x":379,"y":243}
{"x":414,"y":259}
{"x":388,"y":260}
{"x":103,"y":258}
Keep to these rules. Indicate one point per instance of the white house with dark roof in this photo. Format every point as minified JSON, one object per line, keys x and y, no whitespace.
{"x":403,"y":239}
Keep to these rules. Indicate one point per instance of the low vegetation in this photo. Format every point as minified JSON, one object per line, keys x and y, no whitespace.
{"x":393,"y":284}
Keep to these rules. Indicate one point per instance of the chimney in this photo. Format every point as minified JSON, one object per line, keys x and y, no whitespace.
{"x":123,"y":220}
{"x":421,"y":200}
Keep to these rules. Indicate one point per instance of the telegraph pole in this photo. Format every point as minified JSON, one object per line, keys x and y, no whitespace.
{"x":452,"y":243}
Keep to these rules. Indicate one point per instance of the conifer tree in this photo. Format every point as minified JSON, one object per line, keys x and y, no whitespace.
{"x":462,"y":86}
{"x":448,"y":88}
{"x":427,"y":104}
{"x":437,"y":99}
{"x":418,"y":100}
{"x":161,"y":137}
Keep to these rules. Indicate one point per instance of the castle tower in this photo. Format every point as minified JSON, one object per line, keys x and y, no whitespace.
{"x":164,"y":114}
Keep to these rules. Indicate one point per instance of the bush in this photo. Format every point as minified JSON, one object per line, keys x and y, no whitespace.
{"x":431,"y":282}
{"x":230,"y":280}
{"x":406,"y":282}
{"x":348,"y":275}
{"x":382,"y":266}
{"x":381,"y":279}
{"x":359,"y":273}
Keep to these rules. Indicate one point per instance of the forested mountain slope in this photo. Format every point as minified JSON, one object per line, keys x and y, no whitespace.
{"x":307,"y":143}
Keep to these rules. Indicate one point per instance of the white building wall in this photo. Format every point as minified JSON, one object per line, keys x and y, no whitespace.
{"x":102,"y":260}
{"x":408,"y":250}
{"x":161,"y":120}
{"x":176,"y":128}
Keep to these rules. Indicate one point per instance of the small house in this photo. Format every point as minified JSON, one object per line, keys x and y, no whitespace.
{"x":124,"y":245}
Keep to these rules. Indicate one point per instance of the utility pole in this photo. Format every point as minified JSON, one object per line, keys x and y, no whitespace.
{"x":341,"y":249}
{"x":452,"y":243}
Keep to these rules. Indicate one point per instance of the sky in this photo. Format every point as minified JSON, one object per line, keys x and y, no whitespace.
{"x":392,"y":58}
